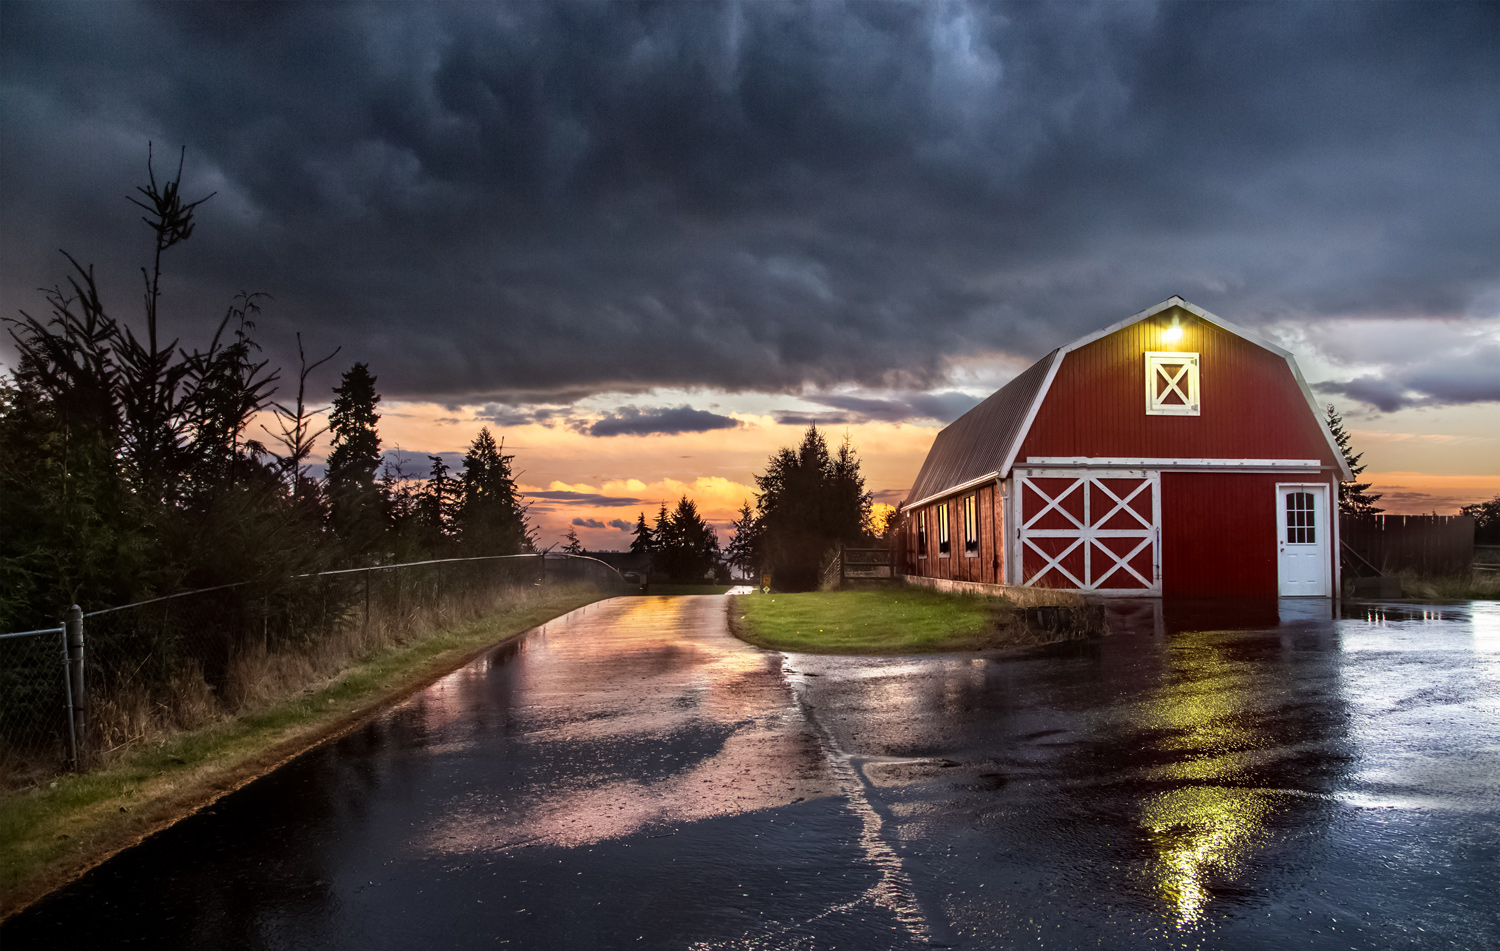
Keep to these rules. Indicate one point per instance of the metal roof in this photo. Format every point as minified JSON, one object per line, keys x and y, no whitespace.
{"x":981,"y":444}
{"x":975,"y":446}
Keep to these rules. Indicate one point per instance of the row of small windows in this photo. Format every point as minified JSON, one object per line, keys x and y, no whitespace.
{"x":945,"y":545}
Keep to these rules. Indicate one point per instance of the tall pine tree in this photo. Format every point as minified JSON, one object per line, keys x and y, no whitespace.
{"x":744,"y":549}
{"x":644,"y":541}
{"x":687,"y":546}
{"x":356,"y":505}
{"x":1353,"y":497}
{"x":491,"y":517}
{"x":437,"y":507}
{"x":808,"y":503}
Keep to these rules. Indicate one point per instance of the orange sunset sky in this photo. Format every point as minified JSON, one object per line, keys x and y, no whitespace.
{"x":1422,"y":459}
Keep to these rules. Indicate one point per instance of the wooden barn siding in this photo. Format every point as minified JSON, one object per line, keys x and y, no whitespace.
{"x":1251,"y":406}
{"x":1218,"y":533}
{"x":955,"y":566}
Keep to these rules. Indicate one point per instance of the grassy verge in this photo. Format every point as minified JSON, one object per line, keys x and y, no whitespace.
{"x":51,"y":834}
{"x":895,"y":620}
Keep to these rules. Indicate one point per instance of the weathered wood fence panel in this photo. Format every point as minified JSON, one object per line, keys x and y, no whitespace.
{"x":1430,"y":544}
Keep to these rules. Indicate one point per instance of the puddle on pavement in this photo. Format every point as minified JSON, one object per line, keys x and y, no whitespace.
{"x":1246,"y":774}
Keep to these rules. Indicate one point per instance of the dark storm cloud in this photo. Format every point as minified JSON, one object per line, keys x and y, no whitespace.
{"x":582,"y":498}
{"x":943,"y":407}
{"x":1468,"y":377}
{"x":634,"y":421}
{"x":588,"y":523}
{"x":619,"y":524}
{"x":522,"y":415}
{"x":525,"y":203}
{"x":816,"y":419}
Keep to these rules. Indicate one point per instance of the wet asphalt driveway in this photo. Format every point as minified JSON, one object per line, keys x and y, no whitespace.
{"x":630,"y":776}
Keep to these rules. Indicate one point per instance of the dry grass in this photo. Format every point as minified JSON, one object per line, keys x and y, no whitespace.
{"x":1477,"y":586}
{"x":53,"y":831}
{"x":131,"y":714}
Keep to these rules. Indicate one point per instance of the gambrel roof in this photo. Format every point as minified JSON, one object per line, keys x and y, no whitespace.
{"x":981,"y":445}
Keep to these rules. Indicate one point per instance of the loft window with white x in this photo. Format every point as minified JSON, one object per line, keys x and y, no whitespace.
{"x":1171,"y":384}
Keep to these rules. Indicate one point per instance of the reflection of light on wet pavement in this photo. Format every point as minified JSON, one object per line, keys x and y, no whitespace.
{"x":614,"y":680}
{"x":1427,"y":688}
{"x":1198,"y":834}
{"x":1202,"y":713}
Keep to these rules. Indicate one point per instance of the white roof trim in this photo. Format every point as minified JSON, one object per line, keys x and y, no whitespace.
{"x":1036,"y":405}
{"x":1345,"y":475}
{"x":1108,"y":462}
{"x":952,"y":490}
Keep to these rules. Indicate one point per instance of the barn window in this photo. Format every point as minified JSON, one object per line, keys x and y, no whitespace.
{"x":1300,"y":526}
{"x":943,"y":546}
{"x":971,"y":528}
{"x":1171,"y":384}
{"x":922,"y":534}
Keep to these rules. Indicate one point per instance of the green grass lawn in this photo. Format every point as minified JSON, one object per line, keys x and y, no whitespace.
{"x":894,"y":620}
{"x":50,"y":833}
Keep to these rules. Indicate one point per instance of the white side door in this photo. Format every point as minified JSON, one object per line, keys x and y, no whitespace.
{"x":1302,"y":538}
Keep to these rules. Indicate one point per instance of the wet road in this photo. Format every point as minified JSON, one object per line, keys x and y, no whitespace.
{"x":630,"y":776}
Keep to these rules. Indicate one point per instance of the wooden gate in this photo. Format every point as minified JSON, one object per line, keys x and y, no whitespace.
{"x":1092,"y":530}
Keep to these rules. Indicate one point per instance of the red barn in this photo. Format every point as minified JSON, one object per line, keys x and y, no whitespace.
{"x":1170,"y":454}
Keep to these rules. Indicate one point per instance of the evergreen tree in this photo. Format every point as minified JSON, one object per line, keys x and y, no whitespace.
{"x":1354,"y":499}
{"x":491,"y":518}
{"x":357,"y":506}
{"x":808,"y":503}
{"x":662,"y":535}
{"x":688,"y":548}
{"x":645,"y":540}
{"x":437,"y":506}
{"x":573,"y":546}
{"x":127,"y":473}
{"x":402,"y":497}
{"x":849,"y":503}
{"x":744,"y":550}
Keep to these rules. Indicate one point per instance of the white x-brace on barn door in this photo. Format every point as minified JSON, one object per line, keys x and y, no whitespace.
{"x":1090,"y":529}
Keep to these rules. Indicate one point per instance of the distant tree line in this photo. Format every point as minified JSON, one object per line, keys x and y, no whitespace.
{"x":129,"y":469}
{"x":1486,"y":520}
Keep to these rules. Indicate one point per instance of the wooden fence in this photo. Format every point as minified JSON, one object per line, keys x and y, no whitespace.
{"x":1429,"y":544}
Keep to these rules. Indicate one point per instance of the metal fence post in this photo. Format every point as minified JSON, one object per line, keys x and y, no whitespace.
{"x":79,"y":712}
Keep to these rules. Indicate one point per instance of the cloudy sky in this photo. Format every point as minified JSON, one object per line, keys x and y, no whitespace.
{"x":648,"y":243}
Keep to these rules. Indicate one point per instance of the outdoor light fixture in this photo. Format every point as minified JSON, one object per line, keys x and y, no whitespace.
{"x":1174,"y":332}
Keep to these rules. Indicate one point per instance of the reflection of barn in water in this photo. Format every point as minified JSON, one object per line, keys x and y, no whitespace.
{"x":1171,"y":453}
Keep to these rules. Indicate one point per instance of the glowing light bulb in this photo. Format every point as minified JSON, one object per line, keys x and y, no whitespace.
{"x":1174,"y":332}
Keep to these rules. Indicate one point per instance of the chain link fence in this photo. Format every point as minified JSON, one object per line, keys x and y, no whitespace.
{"x":35,"y":708}
{"x":178,"y":661}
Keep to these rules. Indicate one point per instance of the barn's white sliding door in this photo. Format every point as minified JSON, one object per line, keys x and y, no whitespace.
{"x":1089,"y":529}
